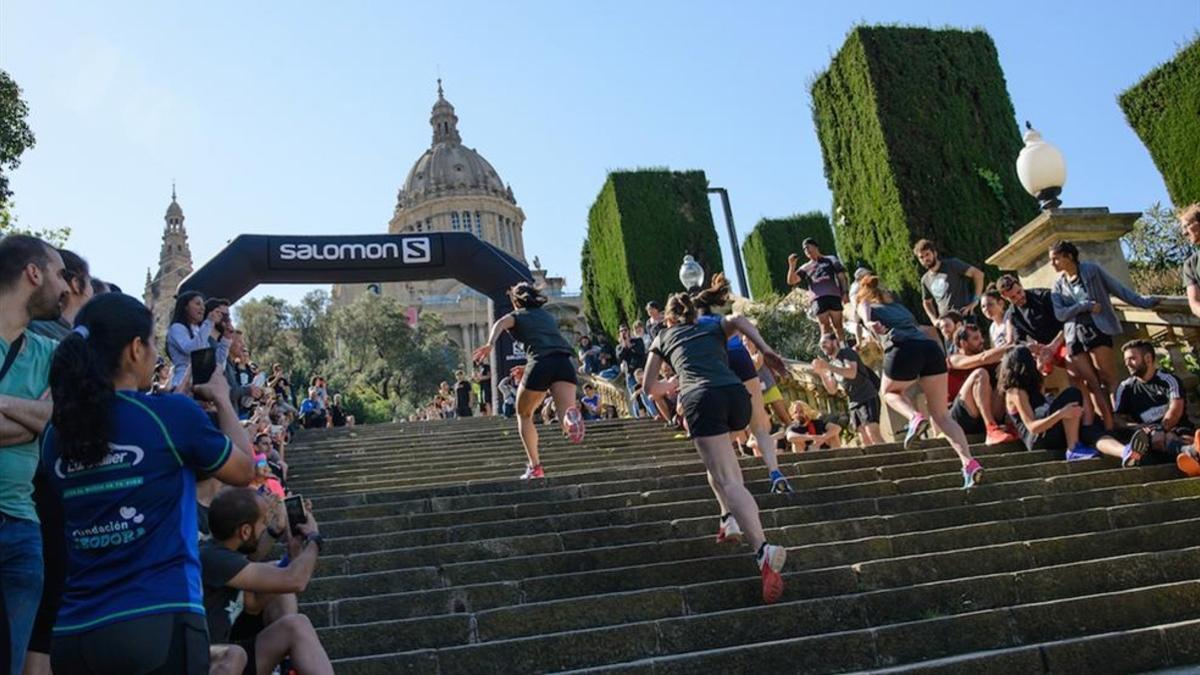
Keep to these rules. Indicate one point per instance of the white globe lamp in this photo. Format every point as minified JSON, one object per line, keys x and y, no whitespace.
{"x":691,"y":274}
{"x":1041,"y":169}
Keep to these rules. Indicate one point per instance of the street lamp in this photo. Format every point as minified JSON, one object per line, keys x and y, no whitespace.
{"x":691,"y":274}
{"x":733,"y":240}
{"x":1041,"y":169}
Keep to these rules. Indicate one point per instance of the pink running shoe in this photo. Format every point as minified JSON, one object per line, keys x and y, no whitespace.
{"x":917,"y":426}
{"x":573,"y":422}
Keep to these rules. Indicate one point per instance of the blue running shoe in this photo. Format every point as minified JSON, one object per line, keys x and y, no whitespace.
{"x":1081,"y":452}
{"x":917,"y":426}
{"x":779,"y":484}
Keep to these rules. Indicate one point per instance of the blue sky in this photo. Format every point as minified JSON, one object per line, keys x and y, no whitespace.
{"x":304,"y":117}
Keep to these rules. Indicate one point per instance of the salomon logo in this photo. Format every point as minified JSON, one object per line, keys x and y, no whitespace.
{"x":414,"y":250}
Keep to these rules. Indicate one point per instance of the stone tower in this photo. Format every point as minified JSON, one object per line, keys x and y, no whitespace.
{"x":174,"y":264}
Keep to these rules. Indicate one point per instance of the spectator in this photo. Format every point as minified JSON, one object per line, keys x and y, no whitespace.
{"x":976,"y":404}
{"x":233,"y":584}
{"x":483,"y":377}
{"x":320,"y":392}
{"x":1059,"y":423}
{"x":242,"y":390}
{"x":311,"y":415}
{"x":1081,"y":302}
{"x":631,"y":352}
{"x":337,"y":414}
{"x":280,"y":384}
{"x":222,"y":330}
{"x":79,"y":283}
{"x":639,"y":333}
{"x":947,"y":326}
{"x":589,"y":355}
{"x":131,"y":600}
{"x":508,"y":391}
{"x":995,"y":310}
{"x":655,"y":323}
{"x":1189,"y":220}
{"x":827,"y":286}
{"x":590,"y":403}
{"x":860,"y":383}
{"x":911,"y":357}
{"x":948,"y":284}
{"x":161,"y":383}
{"x":33,"y":286}
{"x":609,"y":369}
{"x":808,"y":431}
{"x":1031,"y":317}
{"x":190,"y":330}
{"x":462,"y":394}
{"x":1154,"y":401}
{"x":851,"y":311}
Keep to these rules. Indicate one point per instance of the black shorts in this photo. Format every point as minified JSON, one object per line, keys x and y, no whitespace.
{"x":545,"y":371}
{"x":715,"y":411}
{"x":1088,"y":337}
{"x":742,"y":364}
{"x":867,"y":412}
{"x":159,"y":644}
{"x":1055,"y":438}
{"x":914,"y":359}
{"x":826,"y":303}
{"x":970,"y":425}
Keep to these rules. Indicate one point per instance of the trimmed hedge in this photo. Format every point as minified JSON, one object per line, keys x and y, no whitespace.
{"x":765,"y":250}
{"x":639,"y":228}
{"x":919,"y":141}
{"x":1164,"y":110}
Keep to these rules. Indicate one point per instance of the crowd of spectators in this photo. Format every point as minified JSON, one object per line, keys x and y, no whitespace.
{"x":138,"y":491}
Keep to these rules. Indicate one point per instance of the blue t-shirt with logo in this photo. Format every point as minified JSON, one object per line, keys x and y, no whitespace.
{"x":130,"y":521}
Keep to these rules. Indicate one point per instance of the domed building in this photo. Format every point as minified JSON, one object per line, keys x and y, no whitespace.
{"x":452,"y":188}
{"x":174,"y":265}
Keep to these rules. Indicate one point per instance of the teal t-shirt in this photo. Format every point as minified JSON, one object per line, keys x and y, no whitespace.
{"x":29,"y":378}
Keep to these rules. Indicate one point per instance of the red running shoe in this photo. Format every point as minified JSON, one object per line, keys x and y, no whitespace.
{"x":997,"y":434}
{"x":533,"y":472}
{"x":573,"y":421}
{"x":771,"y":559}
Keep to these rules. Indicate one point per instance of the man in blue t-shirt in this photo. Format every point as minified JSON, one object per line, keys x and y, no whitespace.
{"x":32,"y":286}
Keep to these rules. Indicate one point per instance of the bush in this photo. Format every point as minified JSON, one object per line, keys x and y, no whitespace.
{"x":1157,"y":250}
{"x":1163,"y":111}
{"x":639,"y":228}
{"x":919,"y":141}
{"x":765,"y":250}
{"x":784,"y":324}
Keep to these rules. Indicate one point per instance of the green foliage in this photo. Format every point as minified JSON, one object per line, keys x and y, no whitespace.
{"x":639,"y":228}
{"x":786,"y":327}
{"x":8,"y":225}
{"x":15,"y":135}
{"x":1165,"y":112}
{"x":765,"y":250}
{"x":1157,"y":249}
{"x":590,"y":292}
{"x":919,"y":140}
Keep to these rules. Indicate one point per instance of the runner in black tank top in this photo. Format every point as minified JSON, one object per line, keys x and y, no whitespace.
{"x":715,"y":403}
{"x":548,"y":368}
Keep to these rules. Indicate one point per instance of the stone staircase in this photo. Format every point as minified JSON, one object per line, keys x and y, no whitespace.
{"x":438,"y":560}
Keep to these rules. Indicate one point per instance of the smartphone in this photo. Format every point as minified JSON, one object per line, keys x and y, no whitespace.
{"x":204,"y":362}
{"x":295,"y":512}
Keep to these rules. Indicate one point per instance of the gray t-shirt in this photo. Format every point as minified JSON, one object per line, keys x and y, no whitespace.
{"x":696,"y":351}
{"x":822,"y":276}
{"x":1191,"y":271}
{"x":860,"y":389}
{"x":538,"y":330}
{"x":949,"y":287}
{"x":901,"y":325}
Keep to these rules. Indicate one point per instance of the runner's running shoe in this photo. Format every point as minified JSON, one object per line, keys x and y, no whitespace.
{"x":574,"y":423}
{"x":533,"y":472}
{"x":972,"y":474}
{"x":771,"y":559}
{"x":779,"y":484}
{"x":917,"y":426}
{"x":729,"y":529}
{"x":1137,"y":448}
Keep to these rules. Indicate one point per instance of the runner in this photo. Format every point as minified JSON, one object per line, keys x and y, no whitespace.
{"x":548,"y":368}
{"x":742,"y":364}
{"x":910,"y":356}
{"x":716,"y":403}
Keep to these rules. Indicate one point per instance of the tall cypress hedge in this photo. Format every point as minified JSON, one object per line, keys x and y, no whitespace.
{"x":639,"y":228}
{"x":919,"y":141}
{"x":765,"y":250}
{"x":1164,"y":110}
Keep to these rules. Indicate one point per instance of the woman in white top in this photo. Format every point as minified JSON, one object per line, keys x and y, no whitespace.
{"x":995,"y":309}
{"x":189,"y":331}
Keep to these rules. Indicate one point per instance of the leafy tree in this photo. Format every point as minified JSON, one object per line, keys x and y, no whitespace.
{"x":785,"y":325}
{"x":15,"y":135}
{"x":8,"y":225}
{"x":1157,"y":250}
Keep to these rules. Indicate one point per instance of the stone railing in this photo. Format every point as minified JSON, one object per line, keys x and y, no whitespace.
{"x":612,"y":393}
{"x":1174,"y":329}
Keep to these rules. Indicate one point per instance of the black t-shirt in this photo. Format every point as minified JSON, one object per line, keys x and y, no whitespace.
{"x":696,"y":351}
{"x":862,"y":388}
{"x":462,"y":395}
{"x":485,"y":375}
{"x":1148,"y":401}
{"x":633,"y":356}
{"x":223,"y":604}
{"x":338,"y":415}
{"x":1035,"y":321}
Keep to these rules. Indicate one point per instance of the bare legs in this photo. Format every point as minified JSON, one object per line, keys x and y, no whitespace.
{"x":1086,"y":372}
{"x":760,"y":424}
{"x":979,"y":398}
{"x":527,"y":404}
{"x":725,"y":477}
{"x":831,"y":322}
{"x":934,"y":388}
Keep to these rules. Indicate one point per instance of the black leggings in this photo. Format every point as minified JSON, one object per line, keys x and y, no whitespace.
{"x":159,"y":644}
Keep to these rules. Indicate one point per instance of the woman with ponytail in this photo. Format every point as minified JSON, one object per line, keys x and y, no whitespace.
{"x":742,"y":364}
{"x":715,"y":403}
{"x":548,"y":367}
{"x":124,"y":464}
{"x":912,"y":357}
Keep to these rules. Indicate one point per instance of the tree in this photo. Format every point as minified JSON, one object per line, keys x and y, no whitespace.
{"x":8,"y":225}
{"x":15,"y":135}
{"x":1157,"y":250}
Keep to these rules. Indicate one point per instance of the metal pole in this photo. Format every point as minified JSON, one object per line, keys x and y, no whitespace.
{"x":733,"y":240}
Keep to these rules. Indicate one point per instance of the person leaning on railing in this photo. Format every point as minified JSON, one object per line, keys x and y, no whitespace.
{"x":1189,"y":220}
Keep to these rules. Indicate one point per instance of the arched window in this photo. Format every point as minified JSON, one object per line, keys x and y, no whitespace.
{"x":454,"y":221}
{"x":478,"y":225}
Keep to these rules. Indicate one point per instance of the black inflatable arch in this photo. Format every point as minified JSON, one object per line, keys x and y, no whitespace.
{"x":253,"y":259}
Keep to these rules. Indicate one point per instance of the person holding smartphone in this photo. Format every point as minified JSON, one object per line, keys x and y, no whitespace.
{"x":189,"y":330}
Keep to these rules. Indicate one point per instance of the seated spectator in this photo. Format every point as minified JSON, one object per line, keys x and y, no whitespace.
{"x":462,"y":394}
{"x":131,"y":601}
{"x":809,"y":432}
{"x":995,"y":309}
{"x":590,"y":403}
{"x":609,"y":369}
{"x":266,"y":481}
{"x":589,"y":356}
{"x":643,"y":397}
{"x":947,"y":326}
{"x":337,"y":414}
{"x":190,"y":330}
{"x":860,"y":383}
{"x":1154,"y":401}
{"x":311,"y":415}
{"x":976,"y":404}
{"x":239,"y":519}
{"x":1060,"y":423}
{"x":1031,"y":317}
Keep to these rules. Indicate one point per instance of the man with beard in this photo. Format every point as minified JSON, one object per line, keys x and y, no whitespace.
{"x":239,"y":519}
{"x":948,"y":284}
{"x":860,"y":383}
{"x":1151,"y":400}
{"x":32,"y":287}
{"x":976,"y":404}
{"x":1189,"y":220}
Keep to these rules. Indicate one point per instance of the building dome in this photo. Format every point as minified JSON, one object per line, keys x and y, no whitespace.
{"x":174,"y":210}
{"x":448,"y":167}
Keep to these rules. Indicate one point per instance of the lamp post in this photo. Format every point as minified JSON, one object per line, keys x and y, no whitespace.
{"x":733,"y":240}
{"x":691,"y":274}
{"x":1041,"y":169}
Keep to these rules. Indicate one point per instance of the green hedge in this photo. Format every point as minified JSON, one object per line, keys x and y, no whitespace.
{"x":919,"y":141}
{"x":765,"y":250}
{"x":639,"y":228}
{"x":1164,"y":110}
